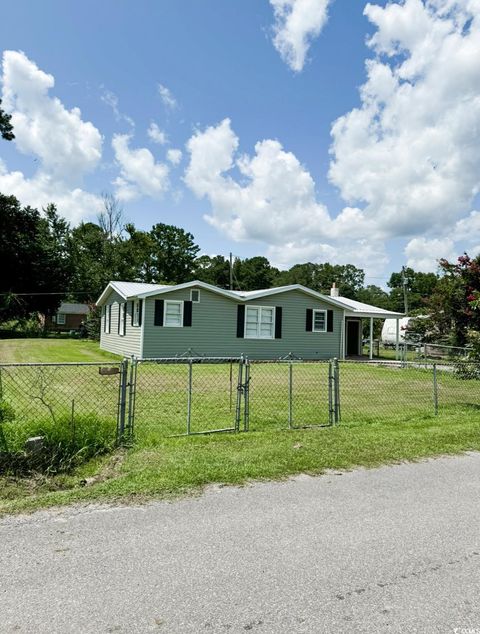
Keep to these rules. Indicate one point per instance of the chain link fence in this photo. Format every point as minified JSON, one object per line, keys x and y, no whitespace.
{"x":94,"y":405}
{"x":290,"y":394}
{"x":186,"y":396}
{"x":402,"y":391}
{"x":72,"y":407}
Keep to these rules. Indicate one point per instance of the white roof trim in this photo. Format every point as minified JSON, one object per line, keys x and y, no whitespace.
{"x":196,"y":283}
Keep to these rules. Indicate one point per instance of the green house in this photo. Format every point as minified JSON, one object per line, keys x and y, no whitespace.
{"x":153,"y":320}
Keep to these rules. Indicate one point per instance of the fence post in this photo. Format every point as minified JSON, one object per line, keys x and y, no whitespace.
{"x":240,"y":388}
{"x":122,"y":401}
{"x":132,"y":393}
{"x":336,"y":388}
{"x":330,"y":393}
{"x":189,"y":397}
{"x":290,"y":395}
{"x":435,"y":390}
{"x":246,"y":397}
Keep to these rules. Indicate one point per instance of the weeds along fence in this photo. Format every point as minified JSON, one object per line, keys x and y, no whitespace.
{"x":90,"y":406}
{"x":79,"y":405}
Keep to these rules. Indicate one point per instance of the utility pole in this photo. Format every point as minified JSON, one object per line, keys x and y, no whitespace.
{"x":405,"y":298}
{"x":231,"y":271}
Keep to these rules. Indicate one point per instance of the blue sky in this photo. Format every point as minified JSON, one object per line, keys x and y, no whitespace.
{"x":251,"y":90}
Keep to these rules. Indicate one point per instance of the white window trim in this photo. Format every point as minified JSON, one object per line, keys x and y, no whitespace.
{"x":272,"y":308}
{"x":172,"y":301}
{"x":136,"y":313}
{"x":60,"y":317}
{"x":122,"y":330}
{"x":319,"y":310}
{"x":196,"y":290}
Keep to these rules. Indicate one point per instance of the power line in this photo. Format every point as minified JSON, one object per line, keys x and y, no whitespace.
{"x":64,"y":293}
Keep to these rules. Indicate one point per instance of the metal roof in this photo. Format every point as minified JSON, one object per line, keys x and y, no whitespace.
{"x":351,"y":307}
{"x":73,"y":309}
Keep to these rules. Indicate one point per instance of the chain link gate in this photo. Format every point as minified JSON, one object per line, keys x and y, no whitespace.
{"x":291,"y":393}
{"x":185,"y":396}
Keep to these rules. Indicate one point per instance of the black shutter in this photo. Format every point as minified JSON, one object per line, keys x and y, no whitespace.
{"x":125,"y":318}
{"x":158,"y":319}
{"x":133,"y":310}
{"x":329,"y":320}
{"x":187,"y":314}
{"x":109,"y":318}
{"x":278,"y":322}
{"x":140,"y":306}
{"x":240,"y":321}
{"x":119,"y":311}
{"x":309,"y":320}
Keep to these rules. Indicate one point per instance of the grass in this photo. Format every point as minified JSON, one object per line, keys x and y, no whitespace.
{"x":387,"y":417}
{"x":51,"y":351}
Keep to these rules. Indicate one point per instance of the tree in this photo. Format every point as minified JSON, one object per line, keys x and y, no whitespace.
{"x":253,"y":274}
{"x":321,"y":277}
{"x":34,"y":259}
{"x":213,"y":270}
{"x":375,"y":296}
{"x":172,"y":256}
{"x":451,"y":306}
{"x":111,"y":219}
{"x":419,"y":287}
{"x":6,"y":128}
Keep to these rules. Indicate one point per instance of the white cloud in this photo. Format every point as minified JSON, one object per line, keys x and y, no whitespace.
{"x":157,"y":135}
{"x":167,"y":97}
{"x":110,"y":99}
{"x":174,"y":156}
{"x":273,"y":201}
{"x":409,"y":154}
{"x":140,"y":174}
{"x":423,"y":254}
{"x":297,"y":23}
{"x":66,"y":147}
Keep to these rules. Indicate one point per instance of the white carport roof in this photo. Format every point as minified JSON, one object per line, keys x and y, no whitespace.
{"x":359,"y":309}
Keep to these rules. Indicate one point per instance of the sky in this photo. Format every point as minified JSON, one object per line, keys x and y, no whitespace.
{"x":301,"y":130}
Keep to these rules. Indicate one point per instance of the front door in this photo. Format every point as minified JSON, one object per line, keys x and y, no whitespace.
{"x":353,"y":338}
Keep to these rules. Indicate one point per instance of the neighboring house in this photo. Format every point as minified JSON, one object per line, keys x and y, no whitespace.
{"x":69,"y":316}
{"x":151,"y":320}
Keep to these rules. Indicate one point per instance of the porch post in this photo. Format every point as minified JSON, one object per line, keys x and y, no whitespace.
{"x":397,"y":339}
{"x":371,"y":338}
{"x":344,"y":335}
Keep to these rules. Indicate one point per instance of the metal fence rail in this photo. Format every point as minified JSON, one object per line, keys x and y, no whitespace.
{"x":187,"y":396}
{"x":61,"y":399}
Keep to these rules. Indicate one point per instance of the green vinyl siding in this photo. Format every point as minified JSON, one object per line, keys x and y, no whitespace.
{"x":214,"y":328}
{"x":125,"y":345}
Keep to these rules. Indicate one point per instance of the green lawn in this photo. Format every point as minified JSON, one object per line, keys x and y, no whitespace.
{"x":51,"y":351}
{"x":387,"y":416}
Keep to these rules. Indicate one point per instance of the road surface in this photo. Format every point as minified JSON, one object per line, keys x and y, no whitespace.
{"x":395,"y":549}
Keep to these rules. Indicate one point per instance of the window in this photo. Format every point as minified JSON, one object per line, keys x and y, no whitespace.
{"x":108,"y":318}
{"x":173,"y":314}
{"x":259,"y":322}
{"x":319,"y":321}
{"x":122,"y":318}
{"x":61,"y":319}
{"x":136,"y":313}
{"x":195,"y":295}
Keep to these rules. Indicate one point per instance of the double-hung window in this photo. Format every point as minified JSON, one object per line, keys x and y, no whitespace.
{"x":173,"y":315}
{"x":319,"y":321}
{"x":259,"y":322}
{"x":61,"y":319}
